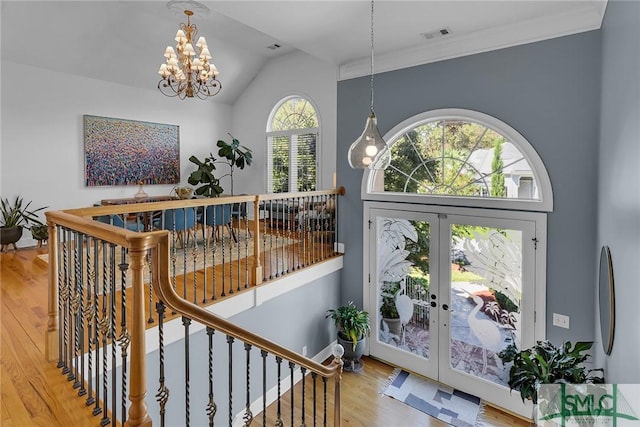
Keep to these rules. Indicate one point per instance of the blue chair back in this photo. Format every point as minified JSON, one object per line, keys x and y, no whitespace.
{"x":179,"y":219}
{"x":217,"y":215}
{"x":116,"y":220}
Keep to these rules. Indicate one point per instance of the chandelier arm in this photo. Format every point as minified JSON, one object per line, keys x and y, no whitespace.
{"x":166,"y":87}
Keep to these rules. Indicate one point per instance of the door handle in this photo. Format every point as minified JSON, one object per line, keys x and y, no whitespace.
{"x":434,"y":304}
{"x":445,"y":307}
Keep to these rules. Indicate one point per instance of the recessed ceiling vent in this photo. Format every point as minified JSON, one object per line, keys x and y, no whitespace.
{"x":442,"y":32}
{"x":274,"y":46}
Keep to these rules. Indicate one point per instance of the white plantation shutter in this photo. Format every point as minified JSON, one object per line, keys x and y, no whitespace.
{"x":292,"y":160}
{"x":292,"y":146}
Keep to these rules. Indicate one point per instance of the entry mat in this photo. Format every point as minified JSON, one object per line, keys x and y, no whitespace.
{"x":444,"y":403}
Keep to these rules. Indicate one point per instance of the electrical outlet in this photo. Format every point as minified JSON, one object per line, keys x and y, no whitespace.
{"x":560,"y":320}
{"x":304,"y":350}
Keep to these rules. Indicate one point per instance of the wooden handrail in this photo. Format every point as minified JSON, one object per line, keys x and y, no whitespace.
{"x":155,"y":244}
{"x":162,"y":286}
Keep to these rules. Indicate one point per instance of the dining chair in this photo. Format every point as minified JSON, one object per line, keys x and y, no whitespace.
{"x":117,"y":220}
{"x":216,"y":217}
{"x":180,"y":221}
{"x":239,"y":212}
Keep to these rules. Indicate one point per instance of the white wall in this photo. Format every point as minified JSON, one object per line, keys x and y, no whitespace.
{"x":294,"y":74}
{"x":42,"y":133}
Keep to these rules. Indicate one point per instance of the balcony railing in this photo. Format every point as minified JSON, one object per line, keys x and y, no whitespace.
{"x":115,"y":271}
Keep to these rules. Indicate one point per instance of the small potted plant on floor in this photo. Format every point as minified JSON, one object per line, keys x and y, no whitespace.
{"x":545,"y":363}
{"x":14,"y":216}
{"x":353,"y":328}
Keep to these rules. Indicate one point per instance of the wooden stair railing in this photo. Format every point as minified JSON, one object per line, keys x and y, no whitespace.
{"x":89,"y":261}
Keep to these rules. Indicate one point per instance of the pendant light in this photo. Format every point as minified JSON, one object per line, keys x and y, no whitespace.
{"x":370,"y":150}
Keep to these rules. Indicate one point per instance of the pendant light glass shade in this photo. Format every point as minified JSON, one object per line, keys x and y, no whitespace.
{"x":369,"y":150}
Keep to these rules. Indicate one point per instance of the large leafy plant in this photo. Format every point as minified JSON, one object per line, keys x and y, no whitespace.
{"x":352,"y":323}
{"x":17,"y":214}
{"x":545,"y":363}
{"x":204,"y":175}
{"x":232,"y":154}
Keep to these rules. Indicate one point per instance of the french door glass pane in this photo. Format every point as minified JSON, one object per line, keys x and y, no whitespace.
{"x":486,"y":294}
{"x":403,"y":284}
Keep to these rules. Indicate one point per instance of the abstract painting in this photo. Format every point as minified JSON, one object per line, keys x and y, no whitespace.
{"x":130,"y":152}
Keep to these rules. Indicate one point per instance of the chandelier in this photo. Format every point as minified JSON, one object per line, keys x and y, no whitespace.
{"x":188,"y":70}
{"x":370,"y":150}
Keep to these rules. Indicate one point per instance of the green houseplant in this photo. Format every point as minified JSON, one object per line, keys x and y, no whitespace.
{"x":210,"y":185}
{"x":14,"y":216}
{"x":353,"y":327}
{"x":545,"y":363}
{"x":231,"y":154}
{"x":234,"y":155}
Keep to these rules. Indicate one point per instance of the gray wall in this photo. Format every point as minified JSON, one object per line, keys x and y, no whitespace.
{"x":548,"y":91}
{"x":618,"y":190}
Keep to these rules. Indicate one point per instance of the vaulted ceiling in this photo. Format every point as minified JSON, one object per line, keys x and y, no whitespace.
{"x":123,"y":41}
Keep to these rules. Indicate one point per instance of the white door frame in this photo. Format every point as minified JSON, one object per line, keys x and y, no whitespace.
{"x":539,"y":221}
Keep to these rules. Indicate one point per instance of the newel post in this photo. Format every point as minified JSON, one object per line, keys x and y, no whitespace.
{"x":138,"y":414}
{"x":338,"y":352}
{"x":256,"y":269}
{"x":52,"y":342}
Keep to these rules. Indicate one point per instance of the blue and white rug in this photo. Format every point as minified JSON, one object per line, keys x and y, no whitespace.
{"x":444,"y":403}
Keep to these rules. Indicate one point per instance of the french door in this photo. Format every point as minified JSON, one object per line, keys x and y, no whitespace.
{"x":448,"y":289}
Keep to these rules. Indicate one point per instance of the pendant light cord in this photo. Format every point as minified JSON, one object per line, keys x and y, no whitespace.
{"x":372,"y":57}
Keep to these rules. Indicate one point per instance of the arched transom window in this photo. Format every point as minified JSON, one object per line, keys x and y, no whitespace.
{"x":465,"y":155}
{"x":292,"y":139}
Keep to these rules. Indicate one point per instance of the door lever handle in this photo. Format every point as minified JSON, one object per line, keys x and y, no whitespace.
{"x":445,"y":307}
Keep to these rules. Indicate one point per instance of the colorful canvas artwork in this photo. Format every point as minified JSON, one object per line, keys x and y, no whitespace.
{"x":130,"y":152}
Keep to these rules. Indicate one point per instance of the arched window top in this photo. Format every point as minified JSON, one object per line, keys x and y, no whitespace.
{"x":463,"y":158}
{"x":294,"y":112}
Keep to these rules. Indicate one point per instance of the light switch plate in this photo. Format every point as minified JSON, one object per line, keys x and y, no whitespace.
{"x":560,"y":320}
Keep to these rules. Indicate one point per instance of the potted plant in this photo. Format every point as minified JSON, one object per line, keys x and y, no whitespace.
{"x":545,"y":363}
{"x":14,"y":216}
{"x":353,"y":328}
{"x":233,"y":155}
{"x":388,"y":310}
{"x":204,"y":175}
{"x":40,"y":232}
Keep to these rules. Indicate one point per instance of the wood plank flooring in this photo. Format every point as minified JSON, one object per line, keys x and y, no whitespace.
{"x":34,"y":393}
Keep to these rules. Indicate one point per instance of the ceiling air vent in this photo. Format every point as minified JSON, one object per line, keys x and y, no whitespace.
{"x":274,"y":46}
{"x":442,"y":32}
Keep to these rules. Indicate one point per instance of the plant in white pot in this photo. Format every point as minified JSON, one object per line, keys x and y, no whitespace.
{"x":353,"y":328}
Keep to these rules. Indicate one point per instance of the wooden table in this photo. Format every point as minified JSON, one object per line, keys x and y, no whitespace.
{"x":129,"y":200}
{"x":147,"y":217}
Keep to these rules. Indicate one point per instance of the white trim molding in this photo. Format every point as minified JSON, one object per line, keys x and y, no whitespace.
{"x":543,"y":204}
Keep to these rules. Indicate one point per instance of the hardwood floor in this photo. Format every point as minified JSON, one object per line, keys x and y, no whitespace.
{"x":34,"y":393}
